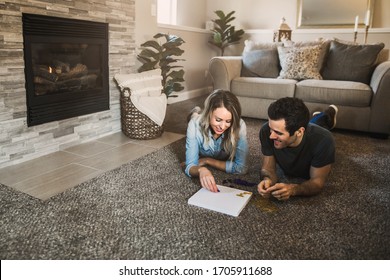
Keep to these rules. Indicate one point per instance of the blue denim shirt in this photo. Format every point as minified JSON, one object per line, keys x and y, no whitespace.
{"x":196,"y":146}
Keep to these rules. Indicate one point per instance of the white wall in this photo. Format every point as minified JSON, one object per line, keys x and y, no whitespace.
{"x":256,"y":14}
{"x":191,"y":13}
{"x":266,"y":14}
{"x":263,"y":17}
{"x":197,"y":52}
{"x":258,"y":18}
{"x":145,"y":22}
{"x":381,"y":14}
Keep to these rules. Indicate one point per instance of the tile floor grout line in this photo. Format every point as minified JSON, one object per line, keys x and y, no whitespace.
{"x":116,"y":147}
{"x":112,"y":147}
{"x":45,"y":173}
{"x":121,"y":144}
{"x":39,"y":175}
{"x":94,"y":168}
{"x":72,"y":153}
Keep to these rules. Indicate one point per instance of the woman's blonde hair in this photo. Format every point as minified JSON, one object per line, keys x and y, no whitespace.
{"x":223,"y":99}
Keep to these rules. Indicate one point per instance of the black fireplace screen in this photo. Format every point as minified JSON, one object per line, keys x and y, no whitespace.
{"x":61,"y":68}
{"x":66,"y":67}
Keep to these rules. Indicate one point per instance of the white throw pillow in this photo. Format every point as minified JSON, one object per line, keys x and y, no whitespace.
{"x":252,"y":45}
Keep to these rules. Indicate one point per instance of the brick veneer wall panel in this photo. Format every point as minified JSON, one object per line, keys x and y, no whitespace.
{"x":18,"y":142}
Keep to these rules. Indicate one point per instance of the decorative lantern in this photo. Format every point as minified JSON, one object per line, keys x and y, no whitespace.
{"x":284,"y":32}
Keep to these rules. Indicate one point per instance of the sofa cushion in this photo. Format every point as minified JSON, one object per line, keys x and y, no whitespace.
{"x":348,"y":62}
{"x":260,"y":59}
{"x":344,"y":93}
{"x":383,"y":55}
{"x":266,"y":88}
{"x":250,"y":45}
{"x":299,"y":63}
{"x":260,"y":63}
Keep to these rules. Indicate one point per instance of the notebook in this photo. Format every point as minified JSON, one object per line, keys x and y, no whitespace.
{"x":228,"y":200}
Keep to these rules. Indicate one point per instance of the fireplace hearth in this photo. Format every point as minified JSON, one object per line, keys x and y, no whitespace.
{"x":66,"y":67}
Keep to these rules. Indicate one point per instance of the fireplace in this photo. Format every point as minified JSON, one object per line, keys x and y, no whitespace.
{"x":66,"y":67}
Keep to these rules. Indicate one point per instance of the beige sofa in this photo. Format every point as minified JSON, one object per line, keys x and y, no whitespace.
{"x":362,"y":106}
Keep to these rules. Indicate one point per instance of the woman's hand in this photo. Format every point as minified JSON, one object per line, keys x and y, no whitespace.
{"x":203,"y":161}
{"x":207,"y":180}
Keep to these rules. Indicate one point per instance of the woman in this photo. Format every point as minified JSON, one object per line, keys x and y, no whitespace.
{"x":216,"y":138}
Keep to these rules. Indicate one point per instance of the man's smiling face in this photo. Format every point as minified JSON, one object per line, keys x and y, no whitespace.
{"x":280,"y":136}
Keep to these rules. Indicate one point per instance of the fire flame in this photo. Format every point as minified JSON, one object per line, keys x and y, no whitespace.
{"x":50,"y":70}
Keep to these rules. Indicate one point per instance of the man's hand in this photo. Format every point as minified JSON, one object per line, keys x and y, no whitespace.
{"x":282,"y":191}
{"x":263,"y":187}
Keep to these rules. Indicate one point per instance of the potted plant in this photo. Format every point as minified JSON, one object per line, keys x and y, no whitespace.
{"x":224,"y":34}
{"x":155,"y":55}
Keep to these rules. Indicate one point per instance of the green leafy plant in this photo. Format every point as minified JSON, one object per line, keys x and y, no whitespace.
{"x":224,"y":34}
{"x":155,"y":55}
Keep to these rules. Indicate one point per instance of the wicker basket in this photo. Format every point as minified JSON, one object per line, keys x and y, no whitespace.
{"x":136,"y":124}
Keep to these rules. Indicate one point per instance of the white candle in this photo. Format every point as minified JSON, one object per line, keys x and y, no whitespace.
{"x":368,"y":18}
{"x":356,"y":23}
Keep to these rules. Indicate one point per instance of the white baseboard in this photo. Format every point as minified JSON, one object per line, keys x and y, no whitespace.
{"x":185,"y":95}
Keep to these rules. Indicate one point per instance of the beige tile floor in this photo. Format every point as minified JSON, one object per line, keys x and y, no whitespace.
{"x":52,"y":174}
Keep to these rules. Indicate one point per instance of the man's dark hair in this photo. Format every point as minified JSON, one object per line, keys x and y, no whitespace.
{"x":292,"y":110}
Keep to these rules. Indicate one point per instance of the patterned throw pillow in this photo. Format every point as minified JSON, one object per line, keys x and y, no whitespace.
{"x":323,"y":43}
{"x":299,"y":63}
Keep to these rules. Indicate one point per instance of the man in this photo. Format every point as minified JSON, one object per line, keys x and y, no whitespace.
{"x":301,"y":148}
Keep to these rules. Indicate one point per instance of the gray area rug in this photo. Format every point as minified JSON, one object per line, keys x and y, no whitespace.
{"x":140,"y":211}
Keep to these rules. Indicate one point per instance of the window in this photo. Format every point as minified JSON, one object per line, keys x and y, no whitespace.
{"x":167,"y":11}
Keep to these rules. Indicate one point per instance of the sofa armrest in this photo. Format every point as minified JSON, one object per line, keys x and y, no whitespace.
{"x":380,"y":103}
{"x":223,"y":69}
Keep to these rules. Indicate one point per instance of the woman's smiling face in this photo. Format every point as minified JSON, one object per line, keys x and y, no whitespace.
{"x":220,"y":121}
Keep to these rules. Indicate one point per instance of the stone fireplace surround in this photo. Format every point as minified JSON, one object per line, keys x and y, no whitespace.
{"x":18,"y":142}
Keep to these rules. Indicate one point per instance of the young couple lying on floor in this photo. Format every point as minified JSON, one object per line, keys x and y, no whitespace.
{"x":302,"y":147}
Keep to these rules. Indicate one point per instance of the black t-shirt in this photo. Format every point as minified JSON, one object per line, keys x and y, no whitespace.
{"x":316,"y":149}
